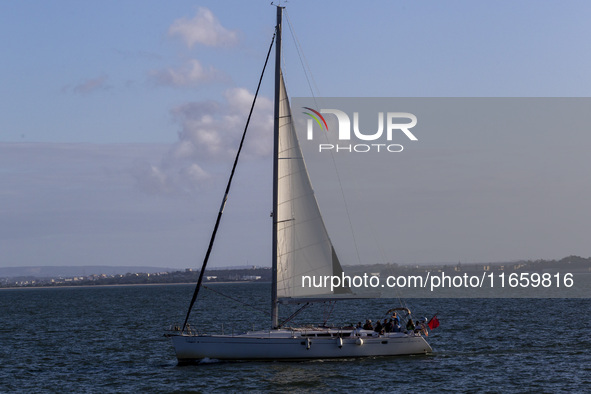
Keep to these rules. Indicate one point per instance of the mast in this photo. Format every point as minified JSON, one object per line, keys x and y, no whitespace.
{"x":274,"y":300}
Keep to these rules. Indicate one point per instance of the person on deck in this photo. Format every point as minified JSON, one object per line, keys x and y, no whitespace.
{"x":368,"y":325}
{"x":421,"y":326}
{"x":385,"y":326}
{"x":378,"y":328}
{"x":388,"y":326}
{"x":410,"y":326}
{"x":357,"y":330}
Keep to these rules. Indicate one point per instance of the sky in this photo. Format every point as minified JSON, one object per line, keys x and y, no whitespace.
{"x":119,"y":119}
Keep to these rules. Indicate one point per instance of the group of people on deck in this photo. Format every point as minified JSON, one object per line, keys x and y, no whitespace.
{"x":392,"y":325}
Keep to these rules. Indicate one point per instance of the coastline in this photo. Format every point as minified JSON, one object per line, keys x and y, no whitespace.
{"x":123,"y":285}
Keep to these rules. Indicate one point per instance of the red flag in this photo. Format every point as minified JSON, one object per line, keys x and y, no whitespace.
{"x":433,"y":323}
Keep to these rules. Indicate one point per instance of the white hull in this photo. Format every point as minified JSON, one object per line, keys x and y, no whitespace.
{"x":296,"y":345}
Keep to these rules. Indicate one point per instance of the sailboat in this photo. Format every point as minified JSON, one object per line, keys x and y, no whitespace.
{"x":301,"y":246}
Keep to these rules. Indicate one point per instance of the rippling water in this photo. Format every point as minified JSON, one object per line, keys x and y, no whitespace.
{"x":110,"y":339}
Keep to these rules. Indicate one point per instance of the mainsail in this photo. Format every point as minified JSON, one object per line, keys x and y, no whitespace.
{"x":303,"y":245}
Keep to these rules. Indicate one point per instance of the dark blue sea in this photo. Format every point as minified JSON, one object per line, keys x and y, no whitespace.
{"x":110,"y":339}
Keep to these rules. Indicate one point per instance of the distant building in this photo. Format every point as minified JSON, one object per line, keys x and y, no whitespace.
{"x":251,"y":277}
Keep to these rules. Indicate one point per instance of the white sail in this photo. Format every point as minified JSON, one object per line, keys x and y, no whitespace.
{"x":303,"y":245}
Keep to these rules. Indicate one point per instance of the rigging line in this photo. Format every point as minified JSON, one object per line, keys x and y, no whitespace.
{"x":307,"y":70}
{"x":346,"y":207}
{"x":221,"y":211}
{"x":338,"y":175}
{"x":236,"y":300}
{"x":368,"y":223}
{"x":307,"y":304}
{"x":328,"y":311}
{"x":306,"y":66}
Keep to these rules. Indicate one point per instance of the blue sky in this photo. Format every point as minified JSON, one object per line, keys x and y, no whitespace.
{"x":54,"y":51}
{"x":100,"y":99}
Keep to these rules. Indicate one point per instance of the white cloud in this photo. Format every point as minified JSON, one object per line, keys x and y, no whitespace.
{"x":210,"y":134}
{"x":213,"y":130}
{"x":92,"y":85}
{"x":192,"y":73}
{"x":195,"y":173}
{"x":170,"y":177}
{"x":204,"y":29}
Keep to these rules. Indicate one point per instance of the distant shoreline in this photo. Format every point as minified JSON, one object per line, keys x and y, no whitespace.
{"x":122,"y":285}
{"x":570,"y":264}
